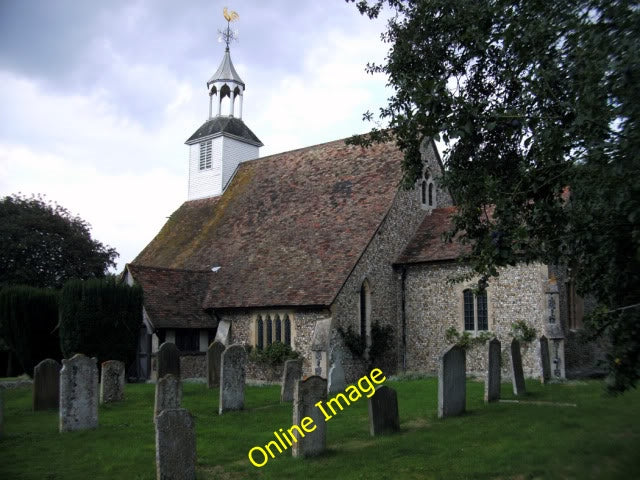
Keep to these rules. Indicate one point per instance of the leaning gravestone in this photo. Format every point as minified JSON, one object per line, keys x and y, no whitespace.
{"x":175,"y":445}
{"x":168,"y":360}
{"x":545,"y":362}
{"x":305,"y":395}
{"x":336,"y":380}
{"x":492,"y":380}
{"x":214,"y":358}
{"x":46,"y":385}
{"x":452,"y":382}
{"x":232,"y":375}
{"x":291,"y":374}
{"x":517,"y":375}
{"x":168,"y":394}
{"x":78,"y":393}
{"x":383,"y":411}
{"x":112,"y":381}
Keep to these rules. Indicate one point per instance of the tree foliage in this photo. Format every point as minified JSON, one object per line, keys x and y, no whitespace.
{"x":100,"y":318}
{"x":537,"y":104}
{"x":43,"y":245}
{"x":28,"y":320}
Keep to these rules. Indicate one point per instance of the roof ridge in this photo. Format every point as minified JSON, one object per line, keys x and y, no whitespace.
{"x":151,"y":267}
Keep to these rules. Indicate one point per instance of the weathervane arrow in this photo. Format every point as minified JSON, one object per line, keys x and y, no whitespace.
{"x":227,"y":35}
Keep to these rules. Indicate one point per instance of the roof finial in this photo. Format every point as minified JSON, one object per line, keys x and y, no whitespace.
{"x":228,"y":35}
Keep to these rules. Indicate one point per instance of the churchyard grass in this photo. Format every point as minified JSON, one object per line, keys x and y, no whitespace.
{"x":600,"y":438}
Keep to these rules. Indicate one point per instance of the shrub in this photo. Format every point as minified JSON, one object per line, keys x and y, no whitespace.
{"x":521,"y":331}
{"x":381,"y":341}
{"x":100,"y":318}
{"x":275,"y":354}
{"x":28,"y":319}
{"x":466,"y":340}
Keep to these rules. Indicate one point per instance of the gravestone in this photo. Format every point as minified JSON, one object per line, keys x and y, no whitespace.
{"x":78,"y":393}
{"x":545,"y":362}
{"x":46,"y":385}
{"x":214,"y":358}
{"x":223,"y":333}
{"x":383,"y":411}
{"x":168,"y":394}
{"x":493,"y":378}
{"x":168,"y":360}
{"x":112,"y":381}
{"x":452,"y":382}
{"x":336,"y":380}
{"x":175,"y":445}
{"x":291,"y":374}
{"x":305,"y":395}
{"x":517,"y":375}
{"x":232,"y":375}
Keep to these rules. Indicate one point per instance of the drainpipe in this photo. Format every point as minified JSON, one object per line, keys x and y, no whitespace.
{"x":404,"y":320}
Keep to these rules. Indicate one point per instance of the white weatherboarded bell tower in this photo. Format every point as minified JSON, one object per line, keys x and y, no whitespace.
{"x":223,"y":141}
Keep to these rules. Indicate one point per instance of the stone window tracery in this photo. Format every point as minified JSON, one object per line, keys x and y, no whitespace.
{"x":270,"y":328}
{"x":476,"y":313}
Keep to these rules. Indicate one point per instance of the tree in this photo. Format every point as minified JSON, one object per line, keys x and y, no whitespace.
{"x":101,"y":318}
{"x":28,"y":320}
{"x":43,"y":245}
{"x":537,"y":104}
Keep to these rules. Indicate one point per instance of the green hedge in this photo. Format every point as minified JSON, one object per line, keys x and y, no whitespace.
{"x":28,"y":319}
{"x":100,"y":318}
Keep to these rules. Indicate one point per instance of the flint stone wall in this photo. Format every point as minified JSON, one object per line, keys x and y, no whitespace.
{"x":433,"y":304}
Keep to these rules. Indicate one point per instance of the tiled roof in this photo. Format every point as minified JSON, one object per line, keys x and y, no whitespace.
{"x":220,"y":125}
{"x":288,"y":230}
{"x":427,"y":244}
{"x":173,"y":298}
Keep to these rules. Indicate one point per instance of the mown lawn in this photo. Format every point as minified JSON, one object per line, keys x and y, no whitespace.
{"x":598,"y":439}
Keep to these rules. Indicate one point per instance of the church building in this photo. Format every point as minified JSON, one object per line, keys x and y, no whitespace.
{"x":301,"y":246}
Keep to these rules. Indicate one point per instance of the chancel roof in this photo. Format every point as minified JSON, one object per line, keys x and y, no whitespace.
{"x":173,"y":297}
{"x":287,"y":231}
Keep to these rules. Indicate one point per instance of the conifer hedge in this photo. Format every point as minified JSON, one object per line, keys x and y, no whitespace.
{"x":100,"y":318}
{"x":28,"y":320}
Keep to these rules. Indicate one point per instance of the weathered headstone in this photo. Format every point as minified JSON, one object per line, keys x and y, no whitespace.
{"x":168,"y":394}
{"x":291,"y":374}
{"x":168,"y":360}
{"x":336,"y":380}
{"x":305,"y":395}
{"x":383,"y":411}
{"x":214,"y":359}
{"x":452,"y":382}
{"x":545,"y":361}
{"x":175,"y":445}
{"x":232,"y":375}
{"x":517,"y":375}
{"x":46,"y":385}
{"x":78,"y":393}
{"x":492,"y":380}
{"x":223,"y":333}
{"x":112,"y":381}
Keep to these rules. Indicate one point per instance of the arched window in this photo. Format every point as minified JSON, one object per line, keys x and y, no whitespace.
{"x":467,"y":295}
{"x":424,"y":192}
{"x":260,"y":333}
{"x":476,"y":315}
{"x":365,"y":312}
{"x":431,"y":194}
{"x":278,"y":329}
{"x":427,"y":190}
{"x":481,"y":311}
{"x":287,"y":330}
{"x":269,"y":331}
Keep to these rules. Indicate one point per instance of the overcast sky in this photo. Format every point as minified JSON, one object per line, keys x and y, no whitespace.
{"x":98,"y":98}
